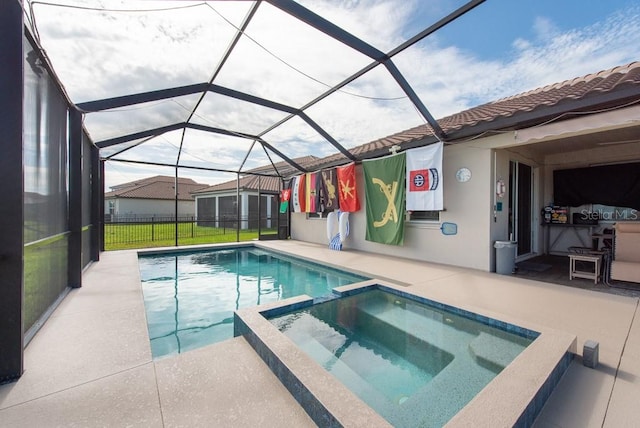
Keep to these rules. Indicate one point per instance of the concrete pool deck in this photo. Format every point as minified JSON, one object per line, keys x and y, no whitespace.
{"x":91,"y":365}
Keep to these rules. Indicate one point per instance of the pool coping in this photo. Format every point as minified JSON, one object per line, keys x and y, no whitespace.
{"x":254,"y":244}
{"x":513,"y":398}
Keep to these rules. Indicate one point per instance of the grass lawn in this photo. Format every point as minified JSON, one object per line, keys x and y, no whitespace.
{"x":45,"y":277}
{"x":45,"y":261}
{"x":147,"y":235}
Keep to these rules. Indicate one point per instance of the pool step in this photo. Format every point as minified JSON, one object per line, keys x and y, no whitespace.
{"x":323,"y":350}
{"x":493,"y":352}
{"x":448,"y":391}
{"x":416,"y":326}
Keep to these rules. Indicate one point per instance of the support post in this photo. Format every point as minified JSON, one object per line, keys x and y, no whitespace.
{"x":97,"y":204}
{"x":102,"y":183}
{"x":12,"y":190}
{"x":74,"y":263}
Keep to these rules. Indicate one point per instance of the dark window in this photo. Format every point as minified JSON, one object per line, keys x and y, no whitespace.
{"x":424,"y":216}
{"x":228,"y":211}
{"x":318,"y":215}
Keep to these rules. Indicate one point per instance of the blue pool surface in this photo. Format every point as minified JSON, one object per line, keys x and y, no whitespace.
{"x":414,"y":364}
{"x":190,"y":297}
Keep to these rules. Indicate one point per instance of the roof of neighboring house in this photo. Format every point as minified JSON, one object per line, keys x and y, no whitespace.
{"x":247,"y":182}
{"x":158,"y":187}
{"x":616,"y":87}
{"x":157,"y":178}
{"x":264,"y":183}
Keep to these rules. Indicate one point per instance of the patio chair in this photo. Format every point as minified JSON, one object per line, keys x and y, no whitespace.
{"x":625,"y":263}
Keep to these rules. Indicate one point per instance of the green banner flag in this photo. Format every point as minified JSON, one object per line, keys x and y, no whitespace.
{"x":385,"y":181}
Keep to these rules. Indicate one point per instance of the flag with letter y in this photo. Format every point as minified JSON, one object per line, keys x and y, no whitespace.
{"x":384,"y":193}
{"x":424,"y":178}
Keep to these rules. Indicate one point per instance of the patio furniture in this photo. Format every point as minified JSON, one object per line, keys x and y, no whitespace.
{"x":602,"y":240}
{"x":576,"y":269}
{"x":625,"y":263}
{"x":559,"y":234}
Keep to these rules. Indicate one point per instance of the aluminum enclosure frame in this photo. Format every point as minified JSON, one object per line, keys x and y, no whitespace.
{"x":312,"y":19}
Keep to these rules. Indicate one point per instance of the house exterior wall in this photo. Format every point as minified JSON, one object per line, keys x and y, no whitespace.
{"x":469,"y":205}
{"x":128,"y":207}
{"x":473,"y":205}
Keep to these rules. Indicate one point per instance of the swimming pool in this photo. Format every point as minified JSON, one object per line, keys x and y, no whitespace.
{"x":190,"y":297}
{"x":382,"y":355}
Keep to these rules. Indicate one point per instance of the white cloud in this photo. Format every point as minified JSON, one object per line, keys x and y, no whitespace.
{"x":450,"y":80}
{"x":378,"y":22}
{"x":104,"y":54}
{"x":545,"y":28}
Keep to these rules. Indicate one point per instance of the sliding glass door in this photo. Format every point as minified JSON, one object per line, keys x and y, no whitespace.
{"x":521,"y":206}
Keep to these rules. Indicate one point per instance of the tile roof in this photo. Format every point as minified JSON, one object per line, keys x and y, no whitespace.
{"x":283,"y":167}
{"x":247,"y":182}
{"x":266,"y":184}
{"x":617,"y":79}
{"x":159,"y":187}
{"x":611,"y":88}
{"x":616,"y":87}
{"x":157,"y":178}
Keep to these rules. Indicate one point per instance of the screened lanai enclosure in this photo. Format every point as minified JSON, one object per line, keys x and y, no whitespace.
{"x":99,"y":93}
{"x":226,"y":88}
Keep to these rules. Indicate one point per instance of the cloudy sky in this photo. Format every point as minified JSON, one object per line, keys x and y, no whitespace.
{"x":108,"y":48}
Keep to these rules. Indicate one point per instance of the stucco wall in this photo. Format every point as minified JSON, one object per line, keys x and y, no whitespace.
{"x":469,"y":205}
{"x":149,"y":207}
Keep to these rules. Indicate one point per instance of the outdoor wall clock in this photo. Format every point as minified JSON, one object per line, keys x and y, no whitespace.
{"x":463,"y":175}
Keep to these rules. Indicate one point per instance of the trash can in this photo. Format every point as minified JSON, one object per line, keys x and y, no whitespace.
{"x":505,"y":257}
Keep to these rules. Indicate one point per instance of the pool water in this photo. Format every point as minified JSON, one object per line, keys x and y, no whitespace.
{"x":414,"y":364}
{"x":190,"y":297}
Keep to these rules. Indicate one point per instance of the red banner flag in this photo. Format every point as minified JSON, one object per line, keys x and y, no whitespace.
{"x":285,"y":195}
{"x":347,"y":192}
{"x":311,"y":193}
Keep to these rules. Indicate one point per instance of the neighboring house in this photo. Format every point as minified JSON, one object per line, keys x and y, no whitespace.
{"x":216,"y":205}
{"x":519,"y":141}
{"x":151,"y":197}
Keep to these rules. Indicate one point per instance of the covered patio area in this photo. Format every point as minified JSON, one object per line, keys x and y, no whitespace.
{"x":554,"y":269}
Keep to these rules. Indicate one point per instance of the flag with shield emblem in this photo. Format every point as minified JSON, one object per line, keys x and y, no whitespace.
{"x":424,"y":178}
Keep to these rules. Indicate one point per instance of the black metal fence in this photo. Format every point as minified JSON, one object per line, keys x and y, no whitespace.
{"x":139,"y":232}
